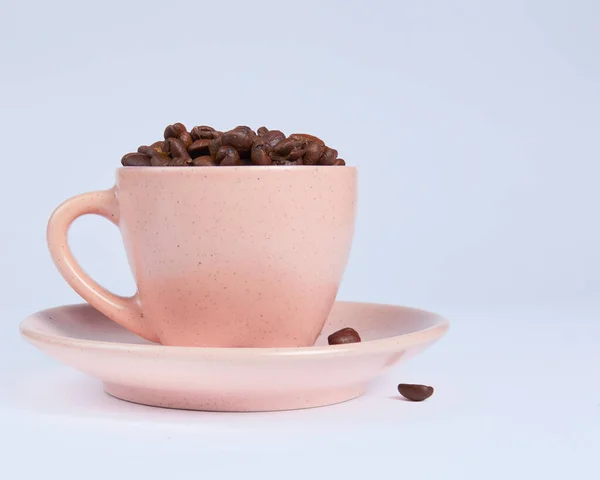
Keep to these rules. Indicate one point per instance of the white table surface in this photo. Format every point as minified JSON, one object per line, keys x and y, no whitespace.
{"x":517,"y":396}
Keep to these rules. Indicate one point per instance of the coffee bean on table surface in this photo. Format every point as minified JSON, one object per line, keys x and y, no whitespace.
{"x":345,"y":335}
{"x":261,"y":131}
{"x":414,"y":392}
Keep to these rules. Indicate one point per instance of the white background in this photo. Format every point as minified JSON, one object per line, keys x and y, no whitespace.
{"x":475,"y":129}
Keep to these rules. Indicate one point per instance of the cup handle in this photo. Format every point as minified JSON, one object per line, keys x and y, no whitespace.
{"x":125,"y":311}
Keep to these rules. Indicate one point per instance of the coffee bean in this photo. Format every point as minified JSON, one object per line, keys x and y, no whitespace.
{"x":415,"y":393}
{"x":259,"y":153}
{"x":159,"y":160}
{"x":175,"y":148}
{"x":204,"y":132}
{"x":135,"y":160}
{"x":261,"y":131}
{"x":307,"y":138}
{"x":228,"y":156}
{"x":312,"y":154}
{"x":298,"y":151}
{"x":199,"y":147}
{"x":204,"y":161}
{"x":174,"y":130}
{"x":145,"y":149}
{"x":158,"y":145}
{"x":239,"y":139}
{"x":186,"y":139}
{"x":289,"y":149}
{"x":214,"y":146}
{"x":345,"y":335}
{"x":284,"y":147}
{"x":157,"y":148}
{"x":340,"y":162}
{"x":273,"y":137}
{"x":246,"y":129}
{"x":180,"y":162}
{"x":328,"y":157}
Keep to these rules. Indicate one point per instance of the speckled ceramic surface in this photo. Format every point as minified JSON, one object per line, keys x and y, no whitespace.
{"x":235,"y":379}
{"x":227,"y":257}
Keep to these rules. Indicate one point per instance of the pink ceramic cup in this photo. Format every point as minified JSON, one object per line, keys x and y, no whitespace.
{"x":222,"y":257}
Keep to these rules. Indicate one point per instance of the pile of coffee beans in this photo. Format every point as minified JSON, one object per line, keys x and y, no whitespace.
{"x":203,"y":146}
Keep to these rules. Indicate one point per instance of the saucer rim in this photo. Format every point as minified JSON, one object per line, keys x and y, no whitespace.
{"x":425,"y":335}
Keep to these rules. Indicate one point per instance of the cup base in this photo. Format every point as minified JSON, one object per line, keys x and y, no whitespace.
{"x":234,"y":401}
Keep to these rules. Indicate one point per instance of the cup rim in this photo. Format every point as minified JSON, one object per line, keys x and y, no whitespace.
{"x":250,"y":168}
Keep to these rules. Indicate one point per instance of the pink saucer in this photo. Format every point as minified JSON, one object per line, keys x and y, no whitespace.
{"x":235,"y":379}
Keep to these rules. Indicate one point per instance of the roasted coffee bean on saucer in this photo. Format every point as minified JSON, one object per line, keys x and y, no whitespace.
{"x":343,"y":336}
